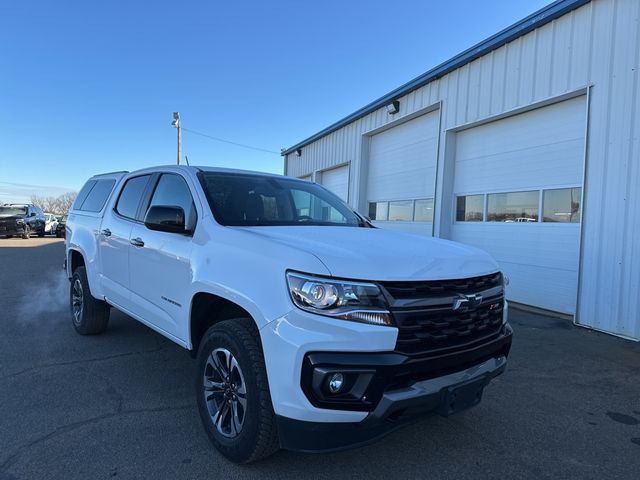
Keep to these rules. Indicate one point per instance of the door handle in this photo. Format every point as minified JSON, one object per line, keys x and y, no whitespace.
{"x":106,"y":232}
{"x":137,"y":242}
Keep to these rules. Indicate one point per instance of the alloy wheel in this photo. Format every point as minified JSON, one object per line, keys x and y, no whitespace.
{"x":225,"y":392}
{"x":77,"y":306}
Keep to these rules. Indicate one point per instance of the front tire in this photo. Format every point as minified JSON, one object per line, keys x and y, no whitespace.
{"x":233,"y":392}
{"x":27,"y":232}
{"x":89,"y":315}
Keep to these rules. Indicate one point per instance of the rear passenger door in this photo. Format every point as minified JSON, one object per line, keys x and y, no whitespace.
{"x":114,"y":243}
{"x":160,"y":264}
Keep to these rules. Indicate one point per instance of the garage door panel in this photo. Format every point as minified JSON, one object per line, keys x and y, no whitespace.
{"x":537,"y":150}
{"x":562,"y":165}
{"x":416,"y":228}
{"x":541,"y":265}
{"x":546,"y":288}
{"x":547,"y":246}
{"x":402,"y":160}
{"x":337,"y":180}
{"x":557,"y":122}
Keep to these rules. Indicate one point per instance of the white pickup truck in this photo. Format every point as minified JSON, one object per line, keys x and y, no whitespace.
{"x":313,"y":330}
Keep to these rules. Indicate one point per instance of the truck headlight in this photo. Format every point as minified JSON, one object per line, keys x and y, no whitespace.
{"x":344,"y":299}
{"x":20,"y":221}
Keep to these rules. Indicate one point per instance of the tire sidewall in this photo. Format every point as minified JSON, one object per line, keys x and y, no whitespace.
{"x":240,"y":448}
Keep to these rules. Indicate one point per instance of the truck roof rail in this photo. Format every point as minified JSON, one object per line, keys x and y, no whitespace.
{"x":111,"y":173}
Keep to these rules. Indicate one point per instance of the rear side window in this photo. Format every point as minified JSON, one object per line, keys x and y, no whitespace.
{"x":83,"y":194}
{"x":131,"y":195}
{"x":98,"y":195}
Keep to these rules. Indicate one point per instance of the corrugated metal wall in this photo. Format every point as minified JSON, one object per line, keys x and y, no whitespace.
{"x":598,"y":45}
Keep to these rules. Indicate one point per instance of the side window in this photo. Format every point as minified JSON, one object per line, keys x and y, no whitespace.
{"x":172,"y":190}
{"x":83,"y":194}
{"x":131,"y":195}
{"x":98,"y":196}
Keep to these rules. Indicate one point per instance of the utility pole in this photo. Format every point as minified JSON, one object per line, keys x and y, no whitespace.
{"x":176,"y":124}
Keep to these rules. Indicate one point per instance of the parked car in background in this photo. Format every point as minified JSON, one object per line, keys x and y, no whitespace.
{"x":50,"y":223}
{"x":61,"y":227}
{"x":313,"y":330}
{"x":21,"y":219}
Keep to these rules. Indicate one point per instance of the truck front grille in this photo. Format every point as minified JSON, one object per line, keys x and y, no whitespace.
{"x":428,"y":323}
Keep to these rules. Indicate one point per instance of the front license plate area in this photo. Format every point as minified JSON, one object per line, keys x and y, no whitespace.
{"x":462,"y":396}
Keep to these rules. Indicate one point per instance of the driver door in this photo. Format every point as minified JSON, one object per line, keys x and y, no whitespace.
{"x":160,"y":262}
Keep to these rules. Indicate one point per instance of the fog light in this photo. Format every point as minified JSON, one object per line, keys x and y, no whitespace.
{"x":336,"y":381}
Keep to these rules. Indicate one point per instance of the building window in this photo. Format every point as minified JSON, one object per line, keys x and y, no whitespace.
{"x":420,"y":210}
{"x":470,"y":208}
{"x":562,"y":205}
{"x":401,"y":210}
{"x":423,"y":211}
{"x":513,"y":207}
{"x":379,"y":210}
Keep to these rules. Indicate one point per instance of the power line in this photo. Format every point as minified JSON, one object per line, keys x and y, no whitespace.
{"x":218,"y":139}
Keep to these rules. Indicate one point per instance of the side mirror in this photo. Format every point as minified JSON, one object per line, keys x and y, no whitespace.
{"x":166,"y":218}
{"x":33,"y":214}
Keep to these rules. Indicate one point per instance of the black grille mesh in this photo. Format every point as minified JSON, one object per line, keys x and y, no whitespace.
{"x":439,"y":328}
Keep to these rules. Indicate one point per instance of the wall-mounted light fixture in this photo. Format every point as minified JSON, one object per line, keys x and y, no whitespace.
{"x":393,"y":107}
{"x":298,"y":152}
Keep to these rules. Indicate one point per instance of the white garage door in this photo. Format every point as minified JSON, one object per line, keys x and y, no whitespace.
{"x":337,"y":180}
{"x":518,"y":191}
{"x":401,"y":175}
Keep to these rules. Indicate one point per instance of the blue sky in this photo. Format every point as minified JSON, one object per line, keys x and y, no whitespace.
{"x":88,"y":87}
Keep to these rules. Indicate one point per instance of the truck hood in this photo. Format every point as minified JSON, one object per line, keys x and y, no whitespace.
{"x":379,"y":254}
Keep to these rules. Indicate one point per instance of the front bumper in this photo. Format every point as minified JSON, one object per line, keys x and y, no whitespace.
{"x":401,"y":386}
{"x":11,"y":229}
{"x":369,"y":377}
{"x":443,"y":395}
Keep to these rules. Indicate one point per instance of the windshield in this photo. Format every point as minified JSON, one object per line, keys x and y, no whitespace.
{"x":253,"y":200}
{"x":5,"y":211}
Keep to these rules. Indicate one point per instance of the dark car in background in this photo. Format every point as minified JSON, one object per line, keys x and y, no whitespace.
{"x":21,"y":219}
{"x":61,"y":227}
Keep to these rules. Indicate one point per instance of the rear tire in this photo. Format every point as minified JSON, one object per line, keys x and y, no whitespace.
{"x":89,"y":315}
{"x":233,"y":392}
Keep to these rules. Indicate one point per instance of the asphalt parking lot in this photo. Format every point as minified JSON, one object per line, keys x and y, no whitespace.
{"x":121,"y":405}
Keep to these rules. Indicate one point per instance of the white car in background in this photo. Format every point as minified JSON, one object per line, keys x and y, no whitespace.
{"x":50,"y":223}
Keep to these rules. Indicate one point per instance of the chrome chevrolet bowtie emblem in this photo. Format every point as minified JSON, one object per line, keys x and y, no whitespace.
{"x":462,"y":302}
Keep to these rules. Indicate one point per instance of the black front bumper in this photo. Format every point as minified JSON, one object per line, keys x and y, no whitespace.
{"x":11,"y":229}
{"x":400,"y":389}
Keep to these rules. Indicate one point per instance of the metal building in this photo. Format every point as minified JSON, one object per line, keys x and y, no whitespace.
{"x":526,"y":145}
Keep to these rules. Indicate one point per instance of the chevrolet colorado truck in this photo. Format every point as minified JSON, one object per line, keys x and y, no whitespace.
{"x":312,"y":329}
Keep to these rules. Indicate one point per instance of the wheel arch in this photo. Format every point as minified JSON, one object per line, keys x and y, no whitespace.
{"x":75,"y":259}
{"x":208,"y":309}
